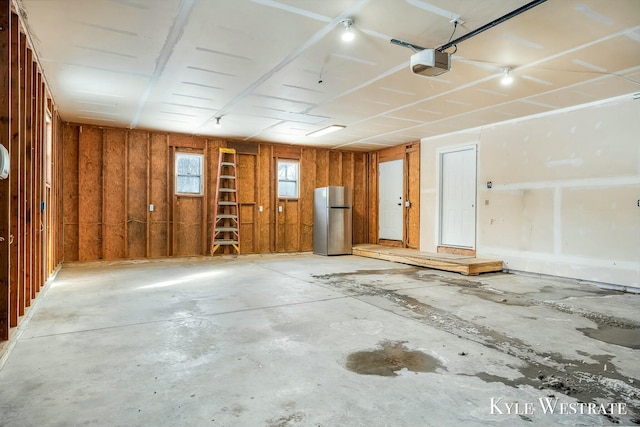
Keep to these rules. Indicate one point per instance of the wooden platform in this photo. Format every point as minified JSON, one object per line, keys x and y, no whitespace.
{"x":463,"y":264}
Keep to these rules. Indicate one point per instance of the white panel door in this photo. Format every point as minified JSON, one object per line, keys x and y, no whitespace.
{"x":458,"y":198}
{"x":390,"y":191}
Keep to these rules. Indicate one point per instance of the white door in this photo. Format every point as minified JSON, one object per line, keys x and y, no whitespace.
{"x":458,"y":198}
{"x":390,"y":190}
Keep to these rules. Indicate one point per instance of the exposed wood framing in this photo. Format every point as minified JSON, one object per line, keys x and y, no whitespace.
{"x":15,"y":300}
{"x":5,"y":187}
{"x":31,"y":244}
{"x":410,"y":155}
{"x":181,"y":225}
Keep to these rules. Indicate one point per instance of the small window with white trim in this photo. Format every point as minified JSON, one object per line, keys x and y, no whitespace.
{"x":189,"y":176}
{"x":288,"y":178}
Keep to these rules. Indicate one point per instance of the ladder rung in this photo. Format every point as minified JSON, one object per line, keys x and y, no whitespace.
{"x":226,"y":229}
{"x":228,"y":164}
{"x":226,"y":216}
{"x":225,"y":242}
{"x":226,"y":203}
{"x":227,"y":177}
{"x":227,"y":190}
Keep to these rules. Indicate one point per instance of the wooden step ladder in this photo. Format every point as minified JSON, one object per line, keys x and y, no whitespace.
{"x":225,"y":228}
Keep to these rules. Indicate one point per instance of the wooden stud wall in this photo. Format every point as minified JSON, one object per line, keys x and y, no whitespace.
{"x":119,"y":173}
{"x":410,"y":154}
{"x":30,"y":204}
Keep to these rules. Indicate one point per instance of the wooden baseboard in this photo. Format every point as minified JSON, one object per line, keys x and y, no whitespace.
{"x":456,"y":251}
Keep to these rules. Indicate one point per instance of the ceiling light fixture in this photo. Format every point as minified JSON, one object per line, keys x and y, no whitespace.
{"x":326,"y":130}
{"x":506,"y":78}
{"x":347,"y":35}
{"x":218,"y":125}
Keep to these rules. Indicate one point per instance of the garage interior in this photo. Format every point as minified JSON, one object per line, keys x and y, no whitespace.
{"x":495,"y":224}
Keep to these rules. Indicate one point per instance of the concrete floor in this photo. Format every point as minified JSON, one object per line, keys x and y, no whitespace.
{"x":306,"y":340}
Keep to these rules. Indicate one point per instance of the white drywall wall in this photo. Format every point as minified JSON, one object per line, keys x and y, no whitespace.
{"x":565,"y":192}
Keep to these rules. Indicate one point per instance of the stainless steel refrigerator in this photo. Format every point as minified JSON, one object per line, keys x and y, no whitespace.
{"x":332,"y":213}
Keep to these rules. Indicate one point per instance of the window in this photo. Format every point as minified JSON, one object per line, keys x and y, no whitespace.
{"x":189,"y":178}
{"x":288,"y":178}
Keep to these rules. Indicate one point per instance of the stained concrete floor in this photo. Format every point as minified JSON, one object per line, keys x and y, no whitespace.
{"x":306,"y":340}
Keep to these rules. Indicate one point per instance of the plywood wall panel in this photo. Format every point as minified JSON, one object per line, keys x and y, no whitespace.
{"x":347,"y":170}
{"x":391,"y":153}
{"x":265,"y":199}
{"x":412,"y":164}
{"x":280,"y":226}
{"x":114,"y":206}
{"x":188,"y":228}
{"x":158,"y":188}
{"x":187,"y":141}
{"x":246,"y":177}
{"x":308,"y":168}
{"x":335,"y":168}
{"x":90,"y":194}
{"x":148,"y":171}
{"x":360,"y":214}
{"x":292,"y":225}
{"x":247,"y":197}
{"x":70,"y":192}
{"x":322,"y":168}
{"x":136,"y":193}
{"x":247,"y":233}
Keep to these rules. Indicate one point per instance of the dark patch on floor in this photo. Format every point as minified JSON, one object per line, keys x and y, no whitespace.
{"x":452,"y":281}
{"x":286,"y":420}
{"x":404,"y":270}
{"x":594,"y":378}
{"x":391,"y":357}
{"x":602,"y":320}
{"x":625,"y":337}
{"x":497,"y":297}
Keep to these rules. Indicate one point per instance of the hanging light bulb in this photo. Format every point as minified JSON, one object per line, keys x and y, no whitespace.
{"x":347,"y":35}
{"x":506,"y":78}
{"x":218,"y":125}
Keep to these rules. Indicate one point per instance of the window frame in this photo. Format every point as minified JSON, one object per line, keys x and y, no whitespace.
{"x":297,"y":180}
{"x":201,"y":176}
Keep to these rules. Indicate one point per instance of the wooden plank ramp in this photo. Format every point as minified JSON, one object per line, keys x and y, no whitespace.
{"x":465,"y":265}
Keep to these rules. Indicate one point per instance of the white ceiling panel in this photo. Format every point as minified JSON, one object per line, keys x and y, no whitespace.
{"x":275,"y":70}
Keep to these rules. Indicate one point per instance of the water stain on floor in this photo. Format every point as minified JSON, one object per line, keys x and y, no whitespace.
{"x":390,"y":358}
{"x":611,"y":334}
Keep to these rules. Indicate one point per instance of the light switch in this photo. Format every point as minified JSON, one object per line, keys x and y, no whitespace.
{"x":150,"y":208}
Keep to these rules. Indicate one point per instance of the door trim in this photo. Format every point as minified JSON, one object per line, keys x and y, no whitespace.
{"x":438,"y":217}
